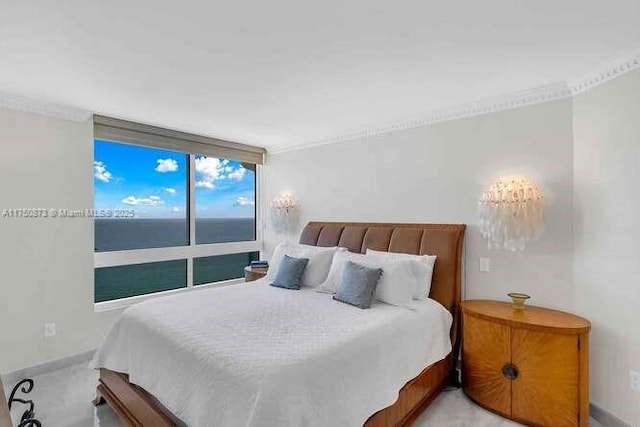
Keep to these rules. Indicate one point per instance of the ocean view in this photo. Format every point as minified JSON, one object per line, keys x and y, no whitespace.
{"x":139,"y":279}
{"x":143,"y":233}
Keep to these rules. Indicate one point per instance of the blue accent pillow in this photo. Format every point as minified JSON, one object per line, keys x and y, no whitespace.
{"x":290,"y":272}
{"x":357,"y":285}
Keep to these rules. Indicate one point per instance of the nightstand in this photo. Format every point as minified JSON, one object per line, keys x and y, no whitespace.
{"x":255,"y":273}
{"x":529,"y":365}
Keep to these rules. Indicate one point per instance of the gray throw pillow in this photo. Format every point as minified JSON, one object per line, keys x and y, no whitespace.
{"x":357,"y":285}
{"x":289,"y":272}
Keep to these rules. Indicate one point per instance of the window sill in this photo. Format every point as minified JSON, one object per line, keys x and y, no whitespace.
{"x":122,"y":303}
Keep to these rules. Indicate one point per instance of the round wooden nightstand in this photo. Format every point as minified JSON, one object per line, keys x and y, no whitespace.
{"x":251,"y":274}
{"x":529,"y":365}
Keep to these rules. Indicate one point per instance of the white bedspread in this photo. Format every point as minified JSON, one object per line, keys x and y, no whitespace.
{"x":254,"y":355}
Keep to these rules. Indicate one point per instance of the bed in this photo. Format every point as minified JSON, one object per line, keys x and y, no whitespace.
{"x":159,"y":366}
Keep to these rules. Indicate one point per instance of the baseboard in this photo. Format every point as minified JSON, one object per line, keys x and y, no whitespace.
{"x":605,"y":418}
{"x":13,"y":377}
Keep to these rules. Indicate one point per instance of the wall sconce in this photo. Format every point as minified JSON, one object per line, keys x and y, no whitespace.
{"x":511,"y":213}
{"x":283,"y":213}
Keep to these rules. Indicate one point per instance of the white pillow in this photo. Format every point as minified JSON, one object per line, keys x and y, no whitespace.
{"x":396,"y":284}
{"x":317,"y":268}
{"x":340,"y":258}
{"x":422,"y":268}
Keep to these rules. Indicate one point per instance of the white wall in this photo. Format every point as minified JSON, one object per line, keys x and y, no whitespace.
{"x":436,"y":174}
{"x":607,"y":237}
{"x":46,"y":266}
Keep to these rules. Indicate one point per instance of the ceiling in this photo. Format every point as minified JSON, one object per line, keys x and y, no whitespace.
{"x":285,"y":73}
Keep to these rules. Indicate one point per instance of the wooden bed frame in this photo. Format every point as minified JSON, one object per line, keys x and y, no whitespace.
{"x":136,"y":407}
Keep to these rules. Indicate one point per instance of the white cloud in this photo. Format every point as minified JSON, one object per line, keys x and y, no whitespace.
{"x":166,"y":165}
{"x":237,"y":174}
{"x":205,"y":184}
{"x":210,"y":169}
{"x":146,"y":201}
{"x":243,"y":201}
{"x":170,"y":190}
{"x":100,"y":172}
{"x":175,"y":209}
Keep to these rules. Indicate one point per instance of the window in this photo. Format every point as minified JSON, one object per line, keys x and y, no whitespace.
{"x":225,"y":200}
{"x":167,"y":217}
{"x":139,"y":279}
{"x":220,"y":267}
{"x":145,"y":190}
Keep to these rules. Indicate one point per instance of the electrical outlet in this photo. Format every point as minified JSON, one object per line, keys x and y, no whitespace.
{"x":49,"y":329}
{"x":634,"y":378}
{"x":485,"y":265}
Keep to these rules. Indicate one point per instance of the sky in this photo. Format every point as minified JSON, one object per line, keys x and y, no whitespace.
{"x":154,"y":183}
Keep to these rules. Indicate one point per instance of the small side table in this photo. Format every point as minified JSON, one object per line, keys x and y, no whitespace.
{"x":529,"y":365}
{"x":255,"y":273}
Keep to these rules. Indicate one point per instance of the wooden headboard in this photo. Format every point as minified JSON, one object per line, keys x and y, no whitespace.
{"x":443,"y":240}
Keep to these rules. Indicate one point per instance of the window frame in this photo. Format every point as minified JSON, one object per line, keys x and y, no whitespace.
{"x":188,"y":252}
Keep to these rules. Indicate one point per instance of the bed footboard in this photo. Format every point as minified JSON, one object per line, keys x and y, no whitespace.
{"x":414,"y":397}
{"x":133,"y":405}
{"x":137,"y":408}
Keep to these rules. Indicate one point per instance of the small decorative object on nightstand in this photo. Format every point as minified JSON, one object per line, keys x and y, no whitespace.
{"x":254,"y":273}
{"x":518,"y":300}
{"x":528,"y":365}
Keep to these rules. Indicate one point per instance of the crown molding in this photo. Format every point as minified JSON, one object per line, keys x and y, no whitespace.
{"x":612,"y":69}
{"x":29,"y":105}
{"x":552,"y":92}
